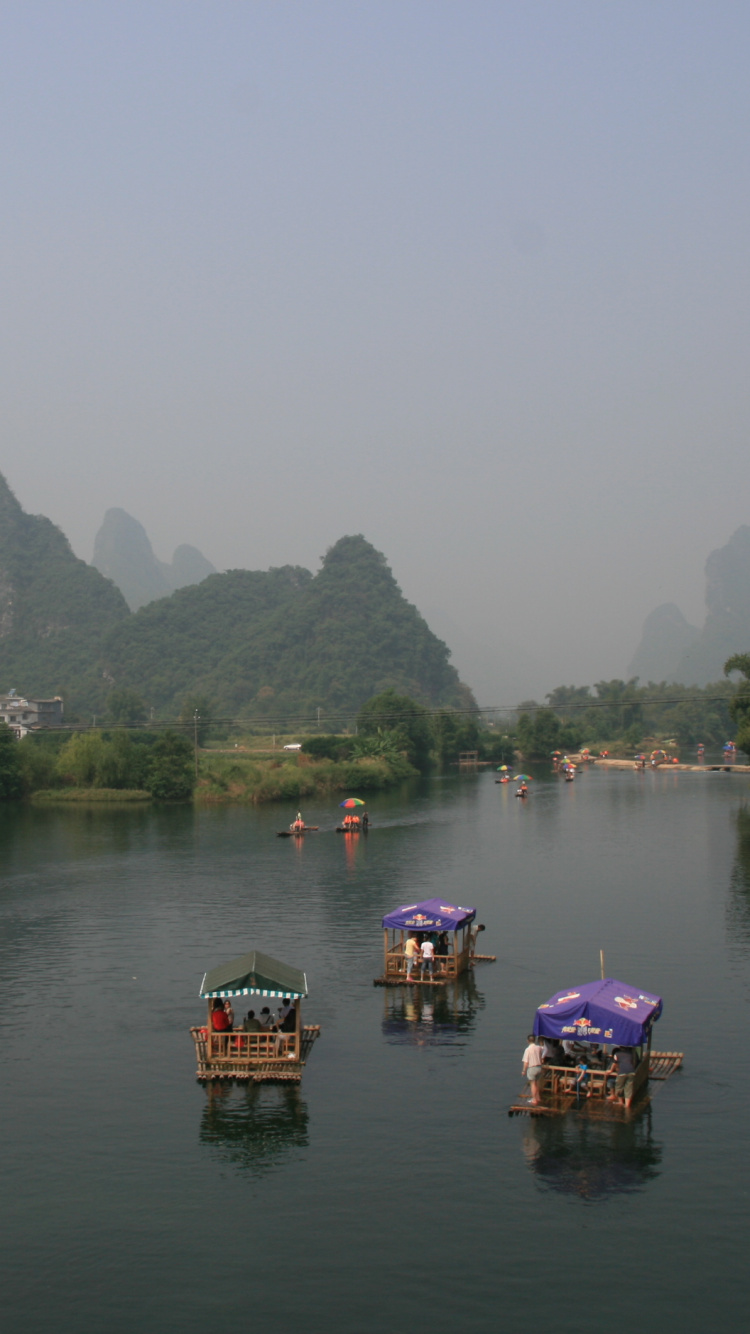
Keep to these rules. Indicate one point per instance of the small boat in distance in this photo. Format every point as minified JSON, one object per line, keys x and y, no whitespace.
{"x":297,"y":828}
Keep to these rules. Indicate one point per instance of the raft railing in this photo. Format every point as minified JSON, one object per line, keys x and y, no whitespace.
{"x":445,"y":965}
{"x":563,"y":1080}
{"x":233,"y":1053}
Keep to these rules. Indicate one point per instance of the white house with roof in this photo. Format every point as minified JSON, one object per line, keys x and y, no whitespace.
{"x":30,"y":715}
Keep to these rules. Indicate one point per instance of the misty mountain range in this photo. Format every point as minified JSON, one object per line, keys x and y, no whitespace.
{"x":123,"y":553}
{"x":673,"y":650}
{"x":275,"y":642}
{"x":258,"y":644}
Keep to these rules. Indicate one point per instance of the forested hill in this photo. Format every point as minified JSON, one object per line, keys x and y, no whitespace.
{"x":54,"y":609}
{"x":285,"y":642}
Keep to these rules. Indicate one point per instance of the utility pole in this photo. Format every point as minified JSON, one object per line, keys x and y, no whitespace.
{"x":196,"y":717}
{"x":318,"y":717}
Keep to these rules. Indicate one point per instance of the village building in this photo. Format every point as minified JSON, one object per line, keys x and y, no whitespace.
{"x":30,"y":715}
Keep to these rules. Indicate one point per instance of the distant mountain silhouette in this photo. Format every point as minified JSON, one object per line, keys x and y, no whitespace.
{"x":727,"y":627}
{"x":673,"y":650}
{"x":189,"y":566}
{"x":666,"y":636}
{"x":123,"y":553}
{"x":54,"y":609}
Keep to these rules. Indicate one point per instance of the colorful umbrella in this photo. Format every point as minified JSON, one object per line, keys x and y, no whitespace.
{"x":501,"y":768}
{"x":525,"y":778}
{"x":351,"y":801}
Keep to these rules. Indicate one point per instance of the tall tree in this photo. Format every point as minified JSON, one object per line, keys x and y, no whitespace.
{"x":392,"y":712}
{"x":171,"y":774}
{"x":10,"y":764}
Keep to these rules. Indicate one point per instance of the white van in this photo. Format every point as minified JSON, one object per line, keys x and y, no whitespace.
{"x":293,"y":745}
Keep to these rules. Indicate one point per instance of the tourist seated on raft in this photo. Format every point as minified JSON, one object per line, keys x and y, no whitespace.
{"x":251,"y":1024}
{"x":266,"y":1020}
{"x":298,"y":824}
{"x":552,"y":1052}
{"x":287,"y":1021}
{"x":220,"y":1021}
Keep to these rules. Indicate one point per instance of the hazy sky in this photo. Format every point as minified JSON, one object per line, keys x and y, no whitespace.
{"x":469,"y":278}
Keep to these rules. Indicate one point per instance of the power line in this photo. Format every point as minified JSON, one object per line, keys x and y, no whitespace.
{"x":300,"y":722}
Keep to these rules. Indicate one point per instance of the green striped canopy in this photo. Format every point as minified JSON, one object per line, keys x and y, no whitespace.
{"x":254,"y":974}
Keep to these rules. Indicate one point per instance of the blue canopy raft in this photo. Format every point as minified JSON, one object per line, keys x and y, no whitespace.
{"x":592,"y":1020}
{"x":452,"y":932}
{"x":247,"y":1051}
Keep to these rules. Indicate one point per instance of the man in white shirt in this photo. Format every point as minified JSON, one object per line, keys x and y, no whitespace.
{"x":428,"y":957}
{"x":532,"y":1068}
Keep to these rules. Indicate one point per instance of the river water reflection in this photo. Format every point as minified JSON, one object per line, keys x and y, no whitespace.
{"x":391,"y":1190}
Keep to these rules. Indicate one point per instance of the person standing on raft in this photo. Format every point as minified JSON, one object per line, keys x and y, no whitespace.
{"x":532,"y":1068}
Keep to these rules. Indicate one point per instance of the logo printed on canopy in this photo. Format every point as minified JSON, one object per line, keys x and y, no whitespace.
{"x":605,"y":1010}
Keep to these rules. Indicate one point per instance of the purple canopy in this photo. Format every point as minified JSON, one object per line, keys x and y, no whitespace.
{"x":607,"y":1012}
{"x":431,"y":915}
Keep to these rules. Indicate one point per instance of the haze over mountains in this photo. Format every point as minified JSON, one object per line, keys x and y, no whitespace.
{"x":123,"y":553}
{"x":673,"y":650}
{"x":278,"y":642}
{"x":274,"y":643}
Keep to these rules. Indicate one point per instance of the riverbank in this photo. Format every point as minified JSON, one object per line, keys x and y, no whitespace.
{"x":672,"y":768}
{"x":252,"y":779}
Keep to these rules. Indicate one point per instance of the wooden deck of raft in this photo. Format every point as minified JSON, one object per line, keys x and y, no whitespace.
{"x":662,"y":1065}
{"x":257,"y":1070}
{"x":399,"y":980}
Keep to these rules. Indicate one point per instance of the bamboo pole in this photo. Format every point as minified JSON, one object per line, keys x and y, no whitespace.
{"x":601,"y":962}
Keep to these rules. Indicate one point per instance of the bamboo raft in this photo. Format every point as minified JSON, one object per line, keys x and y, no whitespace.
{"x":228,"y":1058}
{"x":391,"y":980}
{"x":298,"y":833}
{"x":257,"y":1050}
{"x":662,"y":1065}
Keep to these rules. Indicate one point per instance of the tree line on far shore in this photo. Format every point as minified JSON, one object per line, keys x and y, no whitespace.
{"x":393,"y":729}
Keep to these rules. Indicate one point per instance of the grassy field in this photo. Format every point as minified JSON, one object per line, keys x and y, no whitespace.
{"x":237,"y":777}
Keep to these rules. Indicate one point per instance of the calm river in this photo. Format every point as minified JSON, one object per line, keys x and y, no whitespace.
{"x":391,"y":1191}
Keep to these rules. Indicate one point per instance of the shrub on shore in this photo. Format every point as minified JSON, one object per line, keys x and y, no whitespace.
{"x":228,"y":778}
